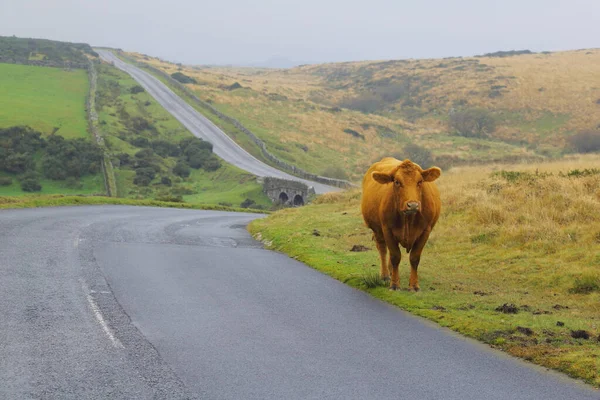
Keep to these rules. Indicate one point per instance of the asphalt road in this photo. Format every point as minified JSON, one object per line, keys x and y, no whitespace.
{"x":202,"y":127}
{"x":144,"y":303}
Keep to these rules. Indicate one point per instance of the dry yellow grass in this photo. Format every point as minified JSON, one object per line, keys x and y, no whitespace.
{"x":541,"y":99}
{"x":528,"y":240}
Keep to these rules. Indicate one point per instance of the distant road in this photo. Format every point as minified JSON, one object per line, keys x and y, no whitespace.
{"x":202,"y":127}
{"x":113,"y":302}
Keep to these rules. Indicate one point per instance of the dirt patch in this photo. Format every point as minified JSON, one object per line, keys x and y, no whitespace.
{"x":359,"y":247}
{"x":580,"y":334}
{"x":316,"y":232}
{"x":559,"y":307}
{"x":560,"y":323}
{"x":480,"y":293}
{"x":508,"y":308}
{"x":438,"y":308}
{"x":525,"y":331}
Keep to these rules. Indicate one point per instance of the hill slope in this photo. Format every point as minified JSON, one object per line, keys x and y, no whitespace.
{"x":349,"y":114}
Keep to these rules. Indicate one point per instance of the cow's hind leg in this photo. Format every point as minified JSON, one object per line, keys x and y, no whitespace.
{"x":382,"y":248}
{"x":415,"y":258}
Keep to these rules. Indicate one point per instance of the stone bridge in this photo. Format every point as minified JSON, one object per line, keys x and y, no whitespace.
{"x":284,"y":192}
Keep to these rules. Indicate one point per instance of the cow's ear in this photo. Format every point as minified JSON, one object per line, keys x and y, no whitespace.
{"x":431,"y":174}
{"x":381,"y":177}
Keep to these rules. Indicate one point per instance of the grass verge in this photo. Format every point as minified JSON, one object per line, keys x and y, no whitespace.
{"x":513,"y":261}
{"x":62,"y":200}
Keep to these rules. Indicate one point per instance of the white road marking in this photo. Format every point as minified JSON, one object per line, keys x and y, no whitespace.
{"x":96,"y":310}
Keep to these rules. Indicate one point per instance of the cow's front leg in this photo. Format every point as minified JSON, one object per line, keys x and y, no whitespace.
{"x":395,"y":257}
{"x":415,"y":258}
{"x":382,"y":248}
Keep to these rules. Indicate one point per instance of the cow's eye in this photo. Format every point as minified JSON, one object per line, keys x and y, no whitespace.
{"x":397,"y":183}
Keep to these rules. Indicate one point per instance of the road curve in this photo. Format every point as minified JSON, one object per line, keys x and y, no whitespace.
{"x":129,"y":302}
{"x":202,"y":127}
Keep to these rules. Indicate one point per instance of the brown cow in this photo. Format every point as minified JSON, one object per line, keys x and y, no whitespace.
{"x":401,"y":204}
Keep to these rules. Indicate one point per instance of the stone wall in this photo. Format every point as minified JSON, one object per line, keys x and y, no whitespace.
{"x":290,"y":193}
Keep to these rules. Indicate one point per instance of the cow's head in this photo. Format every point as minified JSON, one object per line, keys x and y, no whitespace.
{"x":408,"y":179}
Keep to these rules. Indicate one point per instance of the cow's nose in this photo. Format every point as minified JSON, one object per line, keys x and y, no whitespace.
{"x":413,"y":205}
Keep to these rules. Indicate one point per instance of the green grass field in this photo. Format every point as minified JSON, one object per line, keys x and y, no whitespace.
{"x":541,"y":256}
{"x":90,"y":184}
{"x":117,"y":105}
{"x":44,"y":98}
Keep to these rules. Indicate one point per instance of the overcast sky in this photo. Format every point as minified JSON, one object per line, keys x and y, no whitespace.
{"x":308,"y":31}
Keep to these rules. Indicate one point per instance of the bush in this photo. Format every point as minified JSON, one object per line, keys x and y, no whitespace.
{"x":335,"y":172}
{"x":197,"y":160}
{"x":31,"y":185}
{"x":5,"y":181}
{"x":140,"y":142}
{"x":212,"y":164}
{"x":73,"y":183}
{"x":182,"y":169}
{"x":170,"y":197}
{"x":136,"y":89}
{"x":124,"y":159}
{"x":146,"y":171}
{"x":142,"y":180}
{"x":366,"y":103}
{"x":144,"y":154}
{"x":586,"y":284}
{"x":354,"y":133}
{"x":165,"y":149}
{"x":419,"y":155}
{"x":247,"y":203}
{"x":165,"y":180}
{"x":182,"y":78}
{"x":586,"y":141}
{"x":472,"y":123}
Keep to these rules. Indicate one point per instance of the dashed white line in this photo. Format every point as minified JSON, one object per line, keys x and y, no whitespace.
{"x":96,"y":310}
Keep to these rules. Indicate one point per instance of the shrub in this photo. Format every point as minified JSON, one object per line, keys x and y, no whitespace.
{"x":124,"y":159}
{"x":136,"y":89}
{"x":212,"y":164}
{"x":31,"y":185}
{"x":142,"y":180}
{"x":354,"y":133}
{"x":247,"y":203}
{"x":5,"y":181}
{"x":165,"y":180}
{"x":140,"y":142}
{"x":366,"y":103}
{"x":182,"y":78}
{"x":586,"y":141}
{"x":182,"y":169}
{"x":198,"y":159}
{"x":145,"y":153}
{"x":170,"y":197}
{"x":73,"y":183}
{"x":146,"y":171}
{"x":336,"y":172}
{"x":165,"y":149}
{"x":586,"y":284}
{"x":475,"y":122}
{"x":419,"y":155}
